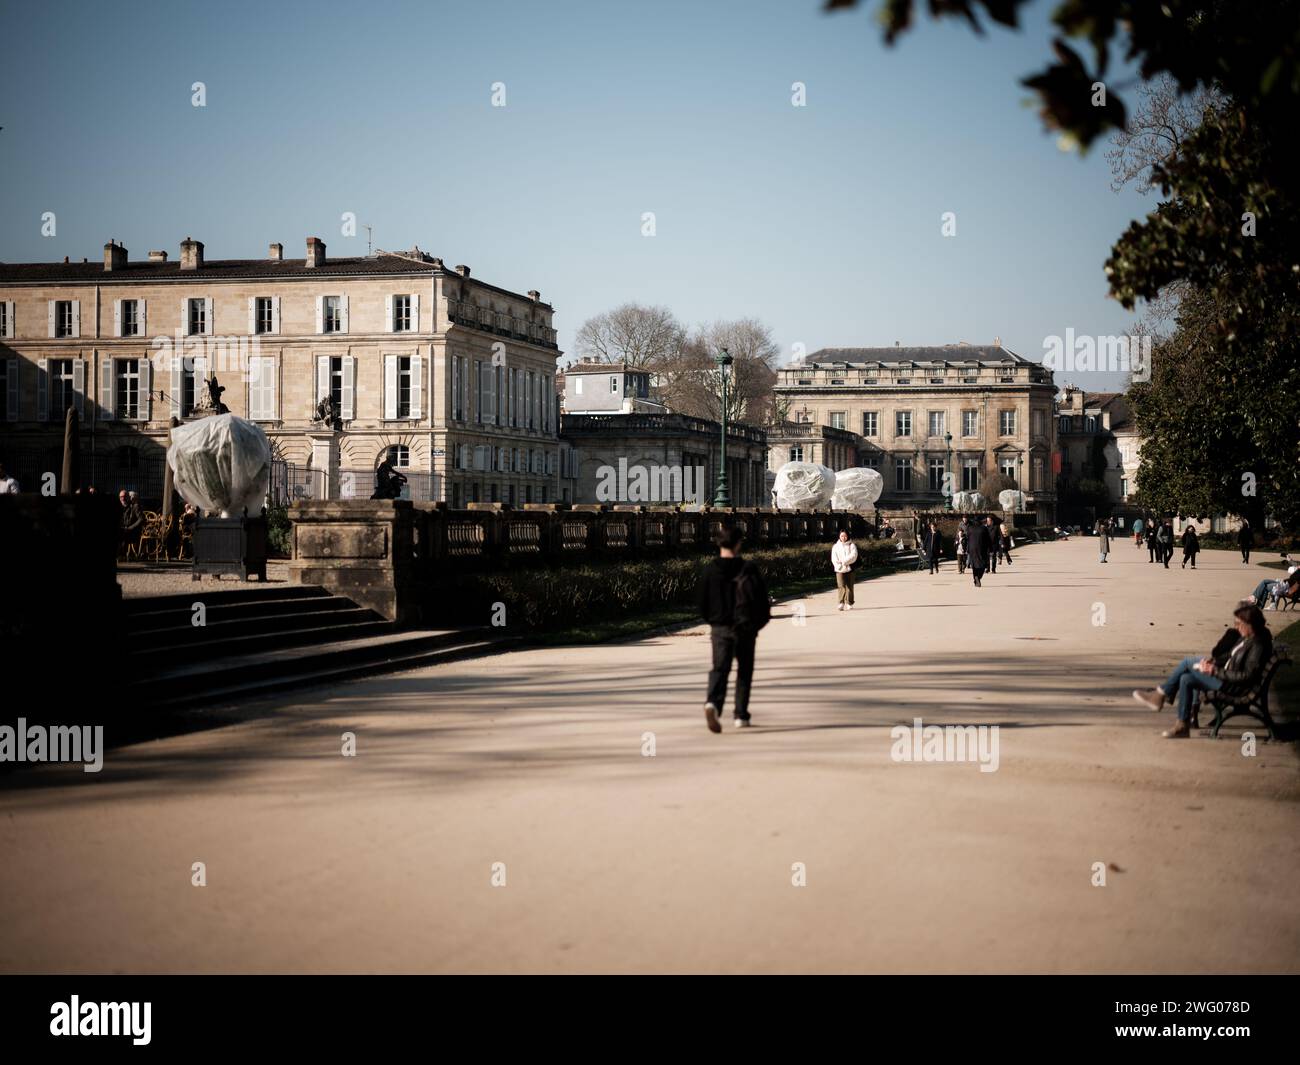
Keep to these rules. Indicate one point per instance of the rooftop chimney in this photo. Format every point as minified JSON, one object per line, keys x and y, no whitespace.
{"x":315,"y":252}
{"x":534,"y":295}
{"x":191,"y":254}
{"x":276,"y":252}
{"x":463,"y":270}
{"x":114,"y":256}
{"x":157,"y":256}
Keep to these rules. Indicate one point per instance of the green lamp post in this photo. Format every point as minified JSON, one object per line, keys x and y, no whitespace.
{"x":721,"y":498}
{"x":947,"y":474}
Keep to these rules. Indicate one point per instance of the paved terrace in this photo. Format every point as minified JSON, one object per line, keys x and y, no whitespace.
{"x":683,"y":861}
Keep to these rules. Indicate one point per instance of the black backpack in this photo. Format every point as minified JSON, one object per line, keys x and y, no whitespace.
{"x":753,"y":609}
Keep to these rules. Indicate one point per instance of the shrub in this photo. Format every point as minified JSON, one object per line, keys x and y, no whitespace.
{"x":279,"y":532}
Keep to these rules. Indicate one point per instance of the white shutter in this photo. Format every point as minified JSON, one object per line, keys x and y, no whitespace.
{"x":275,"y":315}
{"x":12,"y":392}
{"x":417,"y":386}
{"x":42,"y":390}
{"x":349,"y":386}
{"x":185,"y":318}
{"x":106,"y":384}
{"x":178,"y":383}
{"x":494,"y":372}
{"x":11,"y":327}
{"x":200,"y":372}
{"x":79,"y":386}
{"x":390,"y":385}
{"x":270,"y":388}
{"x":52,"y":305}
{"x":343,"y":313}
{"x":388,"y":312}
{"x":146,"y":389}
{"x":415,"y":312}
{"x":117,"y":318}
{"x":320,"y":314}
{"x":254,"y":402}
{"x":76,"y":318}
{"x":322,"y":379}
{"x":140,"y":318}
{"x":209,"y":326}
{"x":252,"y":315}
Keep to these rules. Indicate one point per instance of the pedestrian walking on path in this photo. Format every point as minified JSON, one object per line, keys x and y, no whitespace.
{"x":1191,"y":546}
{"x":933,"y":547}
{"x":994,"y":544}
{"x":1004,"y":541}
{"x":1103,"y":536}
{"x":1245,"y":540}
{"x":844,"y":556}
{"x":1165,"y":542}
{"x":1151,"y":541}
{"x":733,"y":599}
{"x":1138,"y":526}
{"x":978,"y":546}
{"x":962,"y":533}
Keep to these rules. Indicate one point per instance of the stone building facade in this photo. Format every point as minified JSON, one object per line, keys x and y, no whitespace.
{"x":451,"y":377}
{"x":920,"y":413}
{"x":1098,"y":440}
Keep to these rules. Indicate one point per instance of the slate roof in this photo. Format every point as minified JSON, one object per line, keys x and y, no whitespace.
{"x":936,"y":355}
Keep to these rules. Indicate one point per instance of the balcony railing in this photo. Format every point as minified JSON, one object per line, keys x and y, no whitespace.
{"x":658,"y":423}
{"x":462,"y":312}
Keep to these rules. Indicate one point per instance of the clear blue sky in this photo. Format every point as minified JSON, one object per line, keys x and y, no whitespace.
{"x":823,"y":221}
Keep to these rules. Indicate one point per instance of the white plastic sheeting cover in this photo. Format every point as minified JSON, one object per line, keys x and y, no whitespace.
{"x":221,"y":464}
{"x":857,"y":489}
{"x":1010,"y":499}
{"x":969,"y":501}
{"x":804,"y":486}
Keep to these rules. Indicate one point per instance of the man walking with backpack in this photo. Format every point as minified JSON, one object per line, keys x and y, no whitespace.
{"x":733,"y":599}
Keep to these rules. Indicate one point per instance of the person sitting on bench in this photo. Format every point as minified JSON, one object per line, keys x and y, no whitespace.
{"x":1239,"y":667}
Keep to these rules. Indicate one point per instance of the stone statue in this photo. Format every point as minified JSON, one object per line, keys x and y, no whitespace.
{"x":214,"y":396}
{"x":328,"y":414}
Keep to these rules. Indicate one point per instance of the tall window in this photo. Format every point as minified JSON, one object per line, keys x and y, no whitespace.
{"x":871,"y":460}
{"x":4,"y":318}
{"x":62,"y":393}
{"x":1036,"y":422}
{"x":870,"y":423}
{"x":796,"y":453}
{"x":936,"y":470}
{"x":130,"y":318}
{"x":187,"y":387}
{"x":332,"y":314}
{"x":1036,"y":473}
{"x":1065,"y":423}
{"x":336,"y":382}
{"x":479,"y":406}
{"x":1008,"y":468}
{"x":264,"y":315}
{"x":903,"y":475}
{"x":531,"y":376}
{"x":969,"y":422}
{"x":838,"y":419}
{"x":399,"y":455}
{"x":198,"y":316}
{"x":1123,"y":487}
{"x":458,"y":390}
{"x":401,"y":314}
{"x":1090,"y":424}
{"x":903,"y":423}
{"x":127,"y":388}
{"x":613,"y":384}
{"x":63,"y":319}
{"x":1007,"y":423}
{"x":938,"y":423}
{"x":970,"y":475}
{"x":403,"y":387}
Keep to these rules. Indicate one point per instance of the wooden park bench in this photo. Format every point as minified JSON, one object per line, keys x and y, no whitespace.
{"x":1252,"y":702}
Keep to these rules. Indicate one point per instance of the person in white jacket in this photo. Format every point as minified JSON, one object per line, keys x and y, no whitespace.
{"x":844,"y":555}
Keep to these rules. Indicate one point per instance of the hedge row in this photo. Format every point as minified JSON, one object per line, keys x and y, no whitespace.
{"x":559,"y":597}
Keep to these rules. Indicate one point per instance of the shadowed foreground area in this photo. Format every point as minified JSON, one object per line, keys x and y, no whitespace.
{"x":615,"y":861}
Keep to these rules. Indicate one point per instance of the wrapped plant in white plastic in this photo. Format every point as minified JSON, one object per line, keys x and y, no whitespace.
{"x":1011,"y":499}
{"x":221,"y":464}
{"x":857,"y":489}
{"x":969,"y":501}
{"x":804,"y":486}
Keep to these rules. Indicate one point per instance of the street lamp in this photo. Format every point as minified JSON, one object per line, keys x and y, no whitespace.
{"x":720,"y":497}
{"x":1020,"y":478}
{"x":947,"y":474}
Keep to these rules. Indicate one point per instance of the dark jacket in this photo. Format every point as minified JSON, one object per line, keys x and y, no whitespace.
{"x":1191,"y":542}
{"x":716,"y":592}
{"x":979,"y":546}
{"x":1239,"y":673}
{"x":132,"y":517}
{"x":1245,"y":538}
{"x":933,"y":543}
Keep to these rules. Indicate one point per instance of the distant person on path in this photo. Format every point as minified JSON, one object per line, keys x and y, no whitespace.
{"x":1245,"y":540}
{"x":962,"y":534}
{"x":978,"y":546}
{"x":132,"y":520}
{"x":1103,"y":539}
{"x":992,"y":556}
{"x":1165,"y":542}
{"x":1138,"y":526}
{"x":8,"y":486}
{"x":1191,"y":546}
{"x":844,"y":556}
{"x":733,"y":599}
{"x":1151,"y":541}
{"x":933,"y":547}
{"x":1004,"y":541}
{"x":1235,"y":673}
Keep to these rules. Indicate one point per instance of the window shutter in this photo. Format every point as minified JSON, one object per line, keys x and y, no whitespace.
{"x":79,"y":386}
{"x":11,"y":327}
{"x":42,"y":390}
{"x":178,"y":382}
{"x":322,"y":379}
{"x":546,"y":406}
{"x":209,"y":326}
{"x":146,"y":389}
{"x":117,"y":318}
{"x":139,"y":317}
{"x":494,"y":372}
{"x":76,"y":318}
{"x":417,"y":386}
{"x":52,"y":304}
{"x":320,"y":314}
{"x":270,"y":388}
{"x":388,"y":313}
{"x":390,"y":386}
{"x":275,"y":315}
{"x":106,"y":389}
{"x":349,"y":384}
{"x":185,"y":318}
{"x":415,"y":312}
{"x":343,"y":313}
{"x":252,"y":315}
{"x":478,"y":391}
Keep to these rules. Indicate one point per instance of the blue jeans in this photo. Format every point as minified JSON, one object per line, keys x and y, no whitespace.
{"x":1265,"y":591}
{"x":1187,"y":683}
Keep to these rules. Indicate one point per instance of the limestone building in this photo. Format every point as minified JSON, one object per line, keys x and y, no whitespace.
{"x":450,"y":377}
{"x":918,"y":413}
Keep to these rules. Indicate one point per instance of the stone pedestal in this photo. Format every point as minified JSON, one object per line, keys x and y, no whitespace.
{"x":325,"y":458}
